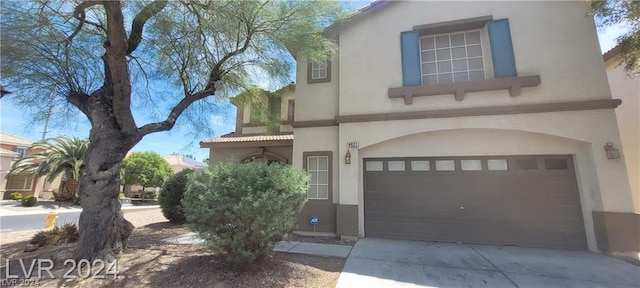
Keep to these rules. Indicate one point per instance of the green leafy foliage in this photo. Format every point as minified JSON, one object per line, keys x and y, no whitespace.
{"x":16,"y":196}
{"x":187,"y":46}
{"x":150,"y":195}
{"x":67,"y":233}
{"x":612,"y":12}
{"x":147,"y":169}
{"x":244,"y":209}
{"x":29,"y":201}
{"x":171,"y":195}
{"x":93,"y":56}
{"x":56,"y":157}
{"x":76,"y":200}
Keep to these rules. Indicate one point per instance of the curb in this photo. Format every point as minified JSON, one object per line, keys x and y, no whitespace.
{"x":4,"y":212}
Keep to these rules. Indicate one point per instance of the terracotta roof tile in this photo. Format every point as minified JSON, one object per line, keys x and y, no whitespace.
{"x":611,"y":53}
{"x":237,"y":138}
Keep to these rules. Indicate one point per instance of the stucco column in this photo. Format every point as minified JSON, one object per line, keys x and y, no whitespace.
{"x":348,"y":175}
{"x":348,"y":218}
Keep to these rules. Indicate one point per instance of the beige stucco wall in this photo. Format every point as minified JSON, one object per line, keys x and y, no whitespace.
{"x":628,"y":116}
{"x":288,"y":95}
{"x":284,"y":110}
{"x":284,"y":104}
{"x":602,"y":183}
{"x":317,"y":101}
{"x":6,"y":165}
{"x":319,"y":139}
{"x":544,"y":35}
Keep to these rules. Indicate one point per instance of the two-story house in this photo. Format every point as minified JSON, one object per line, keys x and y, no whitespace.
{"x":11,"y":149}
{"x":263,"y":128}
{"x":478,"y":122}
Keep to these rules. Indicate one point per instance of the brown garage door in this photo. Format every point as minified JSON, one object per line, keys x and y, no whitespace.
{"x":526,"y":201}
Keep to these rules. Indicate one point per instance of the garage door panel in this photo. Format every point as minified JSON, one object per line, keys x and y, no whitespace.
{"x":514,"y":207}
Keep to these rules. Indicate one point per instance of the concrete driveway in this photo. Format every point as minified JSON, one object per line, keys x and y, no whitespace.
{"x":398,"y":263}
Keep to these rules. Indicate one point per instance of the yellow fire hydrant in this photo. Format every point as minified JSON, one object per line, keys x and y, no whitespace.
{"x":51,"y":220}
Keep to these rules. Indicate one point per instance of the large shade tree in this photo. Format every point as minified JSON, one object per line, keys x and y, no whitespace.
{"x":57,"y":157}
{"x":147,"y":169}
{"x":102,"y":57}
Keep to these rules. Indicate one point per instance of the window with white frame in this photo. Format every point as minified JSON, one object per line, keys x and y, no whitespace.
{"x":453,"y":57}
{"x":318,"y":169}
{"x":318,"y":70}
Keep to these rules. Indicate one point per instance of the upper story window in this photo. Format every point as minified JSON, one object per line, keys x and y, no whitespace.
{"x":291,"y":111}
{"x":459,"y":56}
{"x":22,"y":151}
{"x":318,"y":72}
{"x":452,"y":57}
{"x":463,"y":50}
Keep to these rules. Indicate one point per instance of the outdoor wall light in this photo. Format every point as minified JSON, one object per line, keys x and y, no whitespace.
{"x":347,"y":158}
{"x":612,"y":152}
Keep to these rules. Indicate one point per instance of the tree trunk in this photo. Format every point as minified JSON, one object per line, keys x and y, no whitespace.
{"x":103,"y":230}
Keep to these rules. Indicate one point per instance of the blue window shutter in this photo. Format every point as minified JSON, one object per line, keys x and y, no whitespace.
{"x":504,"y":64}
{"x":411,"y":74}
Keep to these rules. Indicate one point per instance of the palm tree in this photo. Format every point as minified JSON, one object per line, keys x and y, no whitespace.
{"x":60,"y":156}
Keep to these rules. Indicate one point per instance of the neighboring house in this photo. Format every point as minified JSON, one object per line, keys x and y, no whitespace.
{"x":476,"y":122}
{"x":252,"y":140}
{"x":628,"y":115}
{"x":12,"y":148}
{"x":179,"y":163}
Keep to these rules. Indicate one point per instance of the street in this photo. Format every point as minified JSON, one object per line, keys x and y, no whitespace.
{"x":11,"y":223}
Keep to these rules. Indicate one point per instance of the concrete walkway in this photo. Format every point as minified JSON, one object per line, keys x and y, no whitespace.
{"x":317,"y":249}
{"x":397,"y":263}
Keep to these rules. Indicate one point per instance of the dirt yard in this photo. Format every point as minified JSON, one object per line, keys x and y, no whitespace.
{"x":149,"y":262}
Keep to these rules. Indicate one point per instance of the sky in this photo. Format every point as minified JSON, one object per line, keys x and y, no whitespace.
{"x":179,"y":140}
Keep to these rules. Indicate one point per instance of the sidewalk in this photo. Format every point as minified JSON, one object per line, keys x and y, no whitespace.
{"x":317,"y":249}
{"x":12,"y":207}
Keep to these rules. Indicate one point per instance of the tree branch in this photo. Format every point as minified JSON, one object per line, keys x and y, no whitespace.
{"x":168,"y":123}
{"x":117,"y":68}
{"x":79,"y":14}
{"x":216,"y":74}
{"x":135,"y":37}
{"x":80,"y":100}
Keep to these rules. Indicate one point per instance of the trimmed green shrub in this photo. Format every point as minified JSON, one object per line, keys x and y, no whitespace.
{"x":171,"y":195}
{"x":244,"y":209}
{"x":29,"y":201}
{"x":16,"y":196}
{"x":67,"y":233}
{"x":150,"y":195}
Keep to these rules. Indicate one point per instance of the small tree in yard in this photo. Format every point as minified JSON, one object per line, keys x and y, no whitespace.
{"x":147,"y":169}
{"x":244,"y":209}
{"x":171,"y":195}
